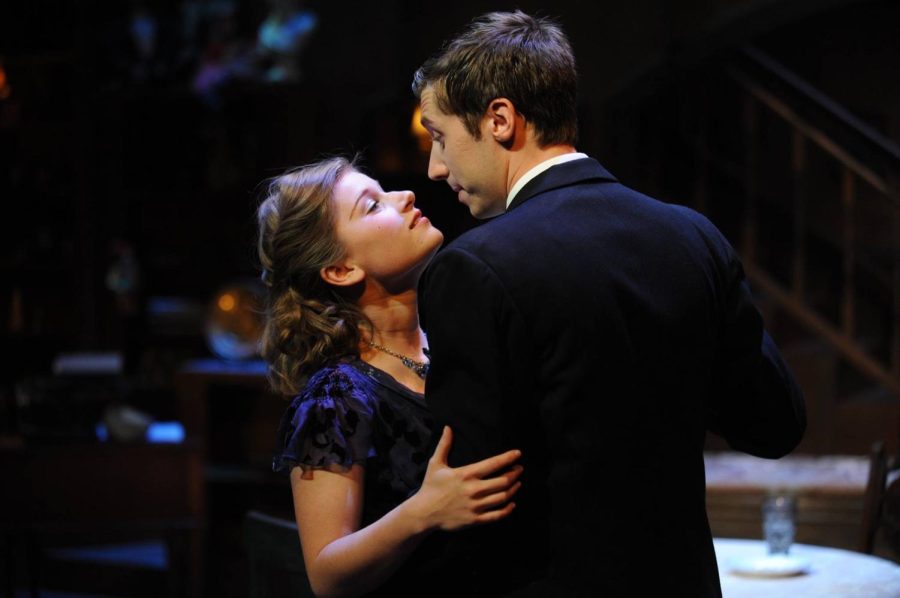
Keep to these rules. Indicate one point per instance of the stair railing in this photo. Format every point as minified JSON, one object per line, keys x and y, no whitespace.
{"x":865,"y":157}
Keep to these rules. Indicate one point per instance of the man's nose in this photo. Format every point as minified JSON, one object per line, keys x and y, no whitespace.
{"x":437,"y":170}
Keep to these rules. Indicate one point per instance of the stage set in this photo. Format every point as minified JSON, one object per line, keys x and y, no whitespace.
{"x":137,"y":427}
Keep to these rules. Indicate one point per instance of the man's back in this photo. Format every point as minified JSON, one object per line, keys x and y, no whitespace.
{"x":602,"y":332}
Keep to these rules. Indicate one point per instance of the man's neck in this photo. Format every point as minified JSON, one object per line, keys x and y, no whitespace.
{"x":526,"y":159}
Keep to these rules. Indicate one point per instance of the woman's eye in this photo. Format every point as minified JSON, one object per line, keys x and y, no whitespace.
{"x":373,"y":205}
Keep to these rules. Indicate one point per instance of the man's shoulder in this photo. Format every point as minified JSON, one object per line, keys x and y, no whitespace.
{"x":485,"y":246}
{"x":485,"y":234}
{"x":502,"y":238}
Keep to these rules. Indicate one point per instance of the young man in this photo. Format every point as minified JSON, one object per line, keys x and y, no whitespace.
{"x":599,"y":330}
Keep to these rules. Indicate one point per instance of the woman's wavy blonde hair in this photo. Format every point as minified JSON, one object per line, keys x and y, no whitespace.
{"x":309,"y":323}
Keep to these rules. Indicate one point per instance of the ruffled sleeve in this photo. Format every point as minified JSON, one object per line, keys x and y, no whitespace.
{"x":328,"y":425}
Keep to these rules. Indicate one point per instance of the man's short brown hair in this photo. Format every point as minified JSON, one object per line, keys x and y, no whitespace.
{"x":511,"y":55}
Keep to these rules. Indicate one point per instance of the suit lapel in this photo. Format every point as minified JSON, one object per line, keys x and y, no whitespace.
{"x":562,"y":175}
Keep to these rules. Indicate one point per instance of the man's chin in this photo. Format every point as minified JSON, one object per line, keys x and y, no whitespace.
{"x":483,"y":213}
{"x":481,"y":210}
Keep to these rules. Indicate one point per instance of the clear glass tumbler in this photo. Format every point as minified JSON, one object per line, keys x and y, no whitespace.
{"x":779,"y":513}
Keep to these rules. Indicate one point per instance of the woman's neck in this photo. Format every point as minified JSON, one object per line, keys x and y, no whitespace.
{"x":395,"y":317}
{"x":395,"y":322}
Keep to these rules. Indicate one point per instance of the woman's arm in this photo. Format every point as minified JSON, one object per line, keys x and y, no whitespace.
{"x":343,"y":560}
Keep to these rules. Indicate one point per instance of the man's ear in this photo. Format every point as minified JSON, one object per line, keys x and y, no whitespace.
{"x":342,"y":274}
{"x":501,"y":117}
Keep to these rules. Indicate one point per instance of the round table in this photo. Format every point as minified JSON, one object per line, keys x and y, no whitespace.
{"x":833,"y":572}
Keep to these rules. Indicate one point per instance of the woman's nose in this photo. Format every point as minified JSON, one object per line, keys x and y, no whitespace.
{"x":410,"y":200}
{"x":405,"y":200}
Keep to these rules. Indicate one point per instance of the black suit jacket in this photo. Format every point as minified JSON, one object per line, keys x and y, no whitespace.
{"x":602,"y":332}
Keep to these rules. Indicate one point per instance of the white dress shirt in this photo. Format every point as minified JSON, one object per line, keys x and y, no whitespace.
{"x":538,"y":170}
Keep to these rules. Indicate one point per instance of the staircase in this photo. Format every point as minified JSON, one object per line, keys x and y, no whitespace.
{"x":817,"y":224}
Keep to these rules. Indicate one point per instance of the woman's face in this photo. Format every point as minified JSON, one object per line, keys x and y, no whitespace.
{"x":383,"y":234}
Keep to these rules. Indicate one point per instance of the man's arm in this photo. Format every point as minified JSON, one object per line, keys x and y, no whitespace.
{"x":756,"y":404}
{"x":473,"y":333}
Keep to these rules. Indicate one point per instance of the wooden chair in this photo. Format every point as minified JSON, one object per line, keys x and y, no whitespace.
{"x":874,"y":494}
{"x":276,"y":561}
{"x":881,"y":507}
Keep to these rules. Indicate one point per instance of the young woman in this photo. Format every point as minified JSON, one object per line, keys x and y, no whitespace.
{"x":341,"y":258}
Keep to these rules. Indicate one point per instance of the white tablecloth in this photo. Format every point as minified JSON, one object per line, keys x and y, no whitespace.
{"x":833,"y":573}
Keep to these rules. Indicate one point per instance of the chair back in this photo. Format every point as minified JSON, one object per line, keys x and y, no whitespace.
{"x":881,"y":507}
{"x":275,"y":557}
{"x":873,"y":497}
{"x":890,"y":513}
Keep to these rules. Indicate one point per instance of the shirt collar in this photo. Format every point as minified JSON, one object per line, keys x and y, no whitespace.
{"x":536,"y":170}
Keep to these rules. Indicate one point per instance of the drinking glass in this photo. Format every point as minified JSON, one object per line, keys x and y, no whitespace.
{"x":778,"y":514}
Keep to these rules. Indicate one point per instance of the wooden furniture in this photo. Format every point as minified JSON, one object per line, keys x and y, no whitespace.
{"x":194,"y":380}
{"x":276,"y":562}
{"x":193,"y":383}
{"x":227,"y":406}
{"x":878,"y":468}
{"x":890,"y":515}
{"x":832,"y":572}
{"x":881,"y":510}
{"x":52,"y":491}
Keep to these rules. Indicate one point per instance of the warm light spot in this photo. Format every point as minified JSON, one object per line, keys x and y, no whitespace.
{"x":420,"y":132}
{"x":227,"y":302}
{"x":5,"y":89}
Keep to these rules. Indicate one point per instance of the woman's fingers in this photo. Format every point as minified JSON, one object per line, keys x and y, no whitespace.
{"x":442,"y":450}
{"x":496,"y":514}
{"x":488,"y":466}
{"x":496,"y":499}
{"x":497,"y":484}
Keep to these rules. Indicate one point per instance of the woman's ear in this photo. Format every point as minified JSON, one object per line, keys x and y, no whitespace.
{"x":342,"y":274}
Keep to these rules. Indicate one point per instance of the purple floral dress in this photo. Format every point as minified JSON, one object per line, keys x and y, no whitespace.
{"x":351,"y":412}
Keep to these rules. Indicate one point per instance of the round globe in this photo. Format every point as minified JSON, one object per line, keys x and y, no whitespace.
{"x":235,"y":322}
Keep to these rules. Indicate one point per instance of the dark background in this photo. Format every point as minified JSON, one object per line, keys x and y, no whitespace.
{"x":100,"y":148}
{"x":112,"y":160}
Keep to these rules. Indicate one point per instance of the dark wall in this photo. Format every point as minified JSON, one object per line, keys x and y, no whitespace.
{"x":97,"y":156}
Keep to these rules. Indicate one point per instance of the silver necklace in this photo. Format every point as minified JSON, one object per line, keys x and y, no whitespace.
{"x":419,"y":367}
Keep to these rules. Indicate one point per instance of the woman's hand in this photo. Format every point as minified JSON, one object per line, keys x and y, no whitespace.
{"x":455,"y":498}
{"x":342,"y":559}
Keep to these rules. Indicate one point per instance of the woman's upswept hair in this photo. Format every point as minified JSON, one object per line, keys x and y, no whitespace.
{"x":512,"y":55}
{"x":308,"y":322}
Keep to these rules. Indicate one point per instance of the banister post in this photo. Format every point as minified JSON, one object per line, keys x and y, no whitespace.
{"x":848,"y":299}
{"x":798,"y":168}
{"x":751,"y":169}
